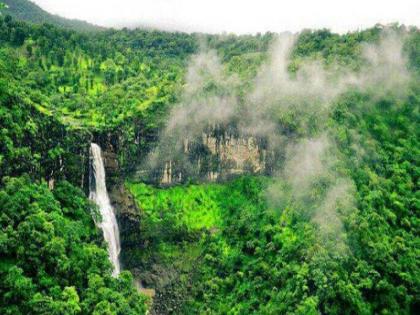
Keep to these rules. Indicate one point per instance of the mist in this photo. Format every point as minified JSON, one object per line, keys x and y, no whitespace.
{"x":290,"y":110}
{"x":240,"y":17}
{"x":308,"y":177}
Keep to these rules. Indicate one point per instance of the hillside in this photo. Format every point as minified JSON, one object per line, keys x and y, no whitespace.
{"x":266,"y":174}
{"x":28,"y":11}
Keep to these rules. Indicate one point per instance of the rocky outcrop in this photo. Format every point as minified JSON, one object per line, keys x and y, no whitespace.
{"x":217,"y":154}
{"x":113,"y":174}
{"x":109,"y":145}
{"x":128,"y":217}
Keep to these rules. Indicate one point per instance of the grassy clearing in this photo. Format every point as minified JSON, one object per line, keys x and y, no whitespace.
{"x":195,"y":206}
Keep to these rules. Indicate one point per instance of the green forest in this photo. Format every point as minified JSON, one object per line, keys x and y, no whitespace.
{"x":323,"y":219}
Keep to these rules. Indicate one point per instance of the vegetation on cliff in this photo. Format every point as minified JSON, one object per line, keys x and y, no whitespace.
{"x":254,"y":245}
{"x":53,"y":260}
{"x":229,"y":248}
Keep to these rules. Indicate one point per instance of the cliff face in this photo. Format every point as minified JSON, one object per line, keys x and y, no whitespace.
{"x":215,"y":155}
{"x":128,"y":217}
{"x":109,"y":146}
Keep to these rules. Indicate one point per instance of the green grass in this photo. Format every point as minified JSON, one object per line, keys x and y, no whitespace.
{"x":196,"y":206}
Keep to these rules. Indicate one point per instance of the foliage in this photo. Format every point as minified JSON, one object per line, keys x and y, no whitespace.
{"x":192,"y":205}
{"x":51,"y":262}
{"x":258,"y":257}
{"x":209,"y":248}
{"x":52,"y":258}
{"x":32,"y":141}
{"x":265,"y":260}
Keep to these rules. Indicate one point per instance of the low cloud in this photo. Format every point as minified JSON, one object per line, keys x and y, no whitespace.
{"x":290,"y":110}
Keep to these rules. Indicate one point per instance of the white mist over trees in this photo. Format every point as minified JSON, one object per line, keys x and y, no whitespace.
{"x":290,"y":172}
{"x":304,"y":94}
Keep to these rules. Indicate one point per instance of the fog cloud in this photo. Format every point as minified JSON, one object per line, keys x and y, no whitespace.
{"x":290,"y":110}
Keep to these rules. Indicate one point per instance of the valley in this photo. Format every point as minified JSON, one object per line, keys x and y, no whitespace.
{"x":151,"y":172}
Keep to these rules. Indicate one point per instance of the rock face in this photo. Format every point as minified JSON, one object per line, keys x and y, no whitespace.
{"x":217,"y":154}
{"x":239,"y":154}
{"x":109,"y":145}
{"x":111,"y":167}
{"x":128,"y":217}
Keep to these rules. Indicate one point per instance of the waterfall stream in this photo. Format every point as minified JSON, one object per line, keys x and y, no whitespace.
{"x":99,"y":194}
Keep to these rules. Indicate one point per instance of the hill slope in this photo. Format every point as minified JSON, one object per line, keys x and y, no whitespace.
{"x":28,"y":11}
{"x":333,"y":229}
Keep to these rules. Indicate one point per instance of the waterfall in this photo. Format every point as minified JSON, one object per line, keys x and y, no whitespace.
{"x":99,"y":195}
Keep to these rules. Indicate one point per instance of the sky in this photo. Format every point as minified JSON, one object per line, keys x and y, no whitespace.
{"x":239,"y":16}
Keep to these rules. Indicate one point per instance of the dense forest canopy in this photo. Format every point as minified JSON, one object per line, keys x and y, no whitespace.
{"x":333,"y":228}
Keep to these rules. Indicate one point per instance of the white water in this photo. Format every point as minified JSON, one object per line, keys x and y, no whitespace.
{"x":99,"y":195}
